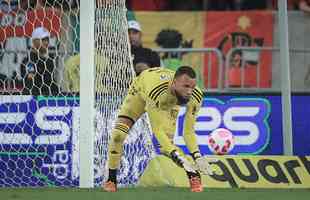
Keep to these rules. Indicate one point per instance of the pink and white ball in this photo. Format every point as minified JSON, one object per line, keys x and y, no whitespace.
{"x":221,"y":141}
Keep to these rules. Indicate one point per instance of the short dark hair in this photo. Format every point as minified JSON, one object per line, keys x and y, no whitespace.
{"x":185,"y":70}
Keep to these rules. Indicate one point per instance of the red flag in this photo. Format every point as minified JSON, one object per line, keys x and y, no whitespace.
{"x":225,"y":30}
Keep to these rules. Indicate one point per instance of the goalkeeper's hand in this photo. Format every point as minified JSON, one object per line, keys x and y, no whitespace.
{"x":203,"y":165}
{"x":182,"y":162}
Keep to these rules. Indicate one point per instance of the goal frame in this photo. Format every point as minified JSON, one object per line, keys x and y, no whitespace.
{"x":87,"y":94}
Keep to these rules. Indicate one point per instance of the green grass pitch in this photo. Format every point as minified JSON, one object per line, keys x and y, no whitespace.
{"x":152,"y":193}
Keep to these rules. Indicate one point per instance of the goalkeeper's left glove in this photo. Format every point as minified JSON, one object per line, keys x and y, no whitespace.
{"x":203,"y":163}
{"x":182,"y":162}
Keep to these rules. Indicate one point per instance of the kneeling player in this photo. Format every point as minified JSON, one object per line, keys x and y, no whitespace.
{"x":160,"y":92}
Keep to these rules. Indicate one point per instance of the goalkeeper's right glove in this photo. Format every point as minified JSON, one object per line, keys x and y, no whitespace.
{"x":182,"y":162}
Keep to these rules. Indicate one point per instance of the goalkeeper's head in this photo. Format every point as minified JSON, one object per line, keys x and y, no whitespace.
{"x":183,"y":84}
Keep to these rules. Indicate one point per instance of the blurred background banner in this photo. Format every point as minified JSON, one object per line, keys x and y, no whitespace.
{"x":222,"y":30}
{"x":235,"y":172}
{"x":226,"y":30}
{"x":20,"y":24}
{"x":256,"y":133}
{"x":48,"y":154}
{"x":174,"y":30}
{"x":189,"y":24}
{"x":40,"y":135}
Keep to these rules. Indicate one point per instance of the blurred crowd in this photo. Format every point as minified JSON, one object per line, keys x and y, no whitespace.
{"x":216,"y":5}
{"x":7,"y":6}
{"x":34,"y":68}
{"x":163,"y":5}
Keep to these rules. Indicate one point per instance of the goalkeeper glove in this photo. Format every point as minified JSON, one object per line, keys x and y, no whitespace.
{"x":203,"y":163}
{"x":182,"y":162}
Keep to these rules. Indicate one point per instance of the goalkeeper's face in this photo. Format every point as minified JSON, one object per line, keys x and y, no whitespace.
{"x":183,"y":87}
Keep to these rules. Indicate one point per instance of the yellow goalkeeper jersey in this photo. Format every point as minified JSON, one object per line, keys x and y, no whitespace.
{"x":150,"y":93}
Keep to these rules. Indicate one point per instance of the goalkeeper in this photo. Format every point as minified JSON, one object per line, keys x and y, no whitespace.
{"x":160,"y":92}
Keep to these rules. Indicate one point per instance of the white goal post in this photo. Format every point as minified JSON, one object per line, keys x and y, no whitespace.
{"x":87,"y":93}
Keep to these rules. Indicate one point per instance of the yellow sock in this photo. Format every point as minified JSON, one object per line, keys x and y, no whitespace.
{"x":119,"y":134}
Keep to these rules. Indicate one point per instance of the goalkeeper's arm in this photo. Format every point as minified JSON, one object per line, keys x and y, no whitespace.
{"x":170,"y":150}
{"x":189,"y":130}
{"x":202,"y":164}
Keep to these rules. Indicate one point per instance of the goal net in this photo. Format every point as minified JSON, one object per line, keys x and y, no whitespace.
{"x":39,"y":102}
{"x":39,"y":116}
{"x":114,"y":73}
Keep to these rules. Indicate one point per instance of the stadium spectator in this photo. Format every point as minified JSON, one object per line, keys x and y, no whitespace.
{"x":62,"y":4}
{"x":234,"y":72}
{"x":72,"y":74}
{"x":161,"y":5}
{"x":304,"y":5}
{"x":7,"y":6}
{"x":160,"y":92}
{"x":142,"y":56}
{"x":184,"y":5}
{"x":221,"y":5}
{"x":253,"y":4}
{"x":59,"y":4}
{"x":71,"y":82}
{"x":242,"y":71}
{"x":155,"y":5}
{"x":171,"y":38}
{"x":307,"y":78}
{"x":38,"y":68}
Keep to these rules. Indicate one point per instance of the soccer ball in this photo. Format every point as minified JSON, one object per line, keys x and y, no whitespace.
{"x":221,"y":141}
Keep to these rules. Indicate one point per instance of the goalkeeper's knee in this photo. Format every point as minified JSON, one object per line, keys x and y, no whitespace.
{"x":119,"y":134}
